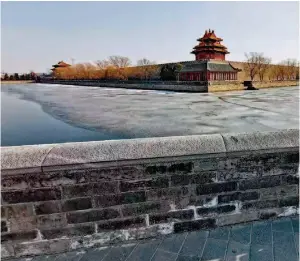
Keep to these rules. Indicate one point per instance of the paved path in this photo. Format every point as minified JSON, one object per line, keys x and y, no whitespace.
{"x":258,"y":241}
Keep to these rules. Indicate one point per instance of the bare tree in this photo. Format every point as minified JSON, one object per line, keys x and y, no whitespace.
{"x":144,"y":61}
{"x":102,"y":64}
{"x":119,"y":61}
{"x":263,"y":64}
{"x":147,"y":68}
{"x":251,"y":67}
{"x":291,"y":68}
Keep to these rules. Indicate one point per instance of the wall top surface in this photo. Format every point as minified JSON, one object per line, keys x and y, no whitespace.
{"x":20,"y":159}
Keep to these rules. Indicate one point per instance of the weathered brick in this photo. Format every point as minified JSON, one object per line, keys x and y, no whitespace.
{"x":267,"y":215}
{"x":30,"y":181}
{"x":156,"y":169}
{"x":102,"y":187}
{"x":292,"y":157}
{"x":260,"y":204}
{"x":216,"y":210}
{"x":257,"y":183}
{"x":239,"y":173}
{"x":207,"y":164}
{"x":161,"y":182}
{"x":171,"y":216}
{"x":18,"y":211}
{"x":177,"y":167}
{"x":73,"y":177}
{"x":3,"y":226}
{"x":57,"y":220}
{"x":194,"y":225}
{"x":31,"y":195}
{"x":291,"y":201}
{"x":245,"y":216}
{"x":119,"y":199}
{"x":215,"y":188}
{"x":280,"y":170}
{"x":168,"y":193}
{"x":7,"y":250}
{"x":92,"y":215}
{"x":124,"y":223}
{"x":268,"y":193}
{"x":185,"y":179}
{"x":113,"y":174}
{"x":26,"y":224}
{"x":48,"y":207}
{"x":238,"y":196}
{"x":203,"y":178}
{"x":290,"y":179}
{"x":181,"y":167}
{"x":144,"y":208}
{"x":42,"y":247}
{"x":79,"y":230}
{"x":287,"y":191}
{"x":76,"y":204}
{"x":180,"y":180}
{"x":76,"y":191}
{"x":18,"y":236}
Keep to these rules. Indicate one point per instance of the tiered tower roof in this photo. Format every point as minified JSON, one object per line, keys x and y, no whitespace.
{"x":60,"y":64}
{"x":210,"y":42}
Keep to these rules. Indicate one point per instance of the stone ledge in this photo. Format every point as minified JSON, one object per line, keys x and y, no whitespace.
{"x":24,"y":159}
{"x":241,"y":142}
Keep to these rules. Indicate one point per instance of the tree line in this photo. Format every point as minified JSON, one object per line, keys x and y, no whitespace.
{"x":19,"y":77}
{"x":259,"y":67}
{"x":115,"y":67}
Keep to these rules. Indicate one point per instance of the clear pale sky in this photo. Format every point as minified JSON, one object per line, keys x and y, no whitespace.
{"x":36,"y":35}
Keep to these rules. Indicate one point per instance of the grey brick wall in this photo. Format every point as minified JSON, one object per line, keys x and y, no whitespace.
{"x":54,"y":211}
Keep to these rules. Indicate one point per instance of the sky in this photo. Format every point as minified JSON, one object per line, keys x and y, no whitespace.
{"x":36,"y":35}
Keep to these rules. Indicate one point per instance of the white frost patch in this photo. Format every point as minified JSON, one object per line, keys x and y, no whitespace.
{"x":172,"y":207}
{"x":166,"y":229}
{"x":238,"y":207}
{"x":80,"y":252}
{"x":196,"y":216}
{"x":147,"y":220}
{"x":75,"y":245}
{"x":125,"y":233}
{"x":288,"y":211}
{"x":212,"y":203}
{"x":39,"y":235}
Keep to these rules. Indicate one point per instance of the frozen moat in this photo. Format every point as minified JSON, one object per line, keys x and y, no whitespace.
{"x":93,"y":113}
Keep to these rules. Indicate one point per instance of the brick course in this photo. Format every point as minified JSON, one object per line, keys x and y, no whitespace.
{"x":183,"y":195}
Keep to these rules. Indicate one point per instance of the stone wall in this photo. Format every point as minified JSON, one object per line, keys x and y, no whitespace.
{"x":69,"y":196}
{"x":237,"y":86}
{"x":159,"y":85}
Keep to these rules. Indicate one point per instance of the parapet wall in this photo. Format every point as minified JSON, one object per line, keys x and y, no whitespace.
{"x":75,"y":195}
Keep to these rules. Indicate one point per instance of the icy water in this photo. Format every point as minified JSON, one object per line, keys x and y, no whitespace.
{"x":42,"y":114}
{"x":25,"y":122}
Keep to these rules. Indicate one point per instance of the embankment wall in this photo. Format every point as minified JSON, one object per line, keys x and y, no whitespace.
{"x":68,"y":196}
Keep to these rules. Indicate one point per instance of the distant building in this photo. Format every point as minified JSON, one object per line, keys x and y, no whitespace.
{"x":210,"y":64}
{"x":60,"y":64}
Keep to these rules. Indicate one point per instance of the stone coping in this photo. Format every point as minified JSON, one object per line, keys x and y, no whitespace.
{"x":35,"y":158}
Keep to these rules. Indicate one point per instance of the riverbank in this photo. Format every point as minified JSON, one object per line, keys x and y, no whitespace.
{"x":17,"y":82}
{"x":176,"y":86}
{"x":223,"y":87}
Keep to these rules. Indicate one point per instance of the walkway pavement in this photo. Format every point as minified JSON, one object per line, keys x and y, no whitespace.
{"x":276,"y":240}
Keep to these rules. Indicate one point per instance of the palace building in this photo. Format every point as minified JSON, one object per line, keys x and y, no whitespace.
{"x":60,"y":64}
{"x":210,"y":63}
